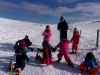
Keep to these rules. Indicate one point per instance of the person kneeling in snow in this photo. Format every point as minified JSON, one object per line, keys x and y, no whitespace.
{"x":89,"y":65}
{"x":21,"y":56}
{"x":28,"y":43}
{"x":47,"y":55}
{"x":64,"y":47}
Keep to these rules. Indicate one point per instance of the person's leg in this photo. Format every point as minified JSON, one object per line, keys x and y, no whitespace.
{"x":20,"y":67}
{"x":73,"y":48}
{"x":59,"y":56}
{"x":66,"y":56}
{"x":42,"y":60}
{"x":76,"y":48}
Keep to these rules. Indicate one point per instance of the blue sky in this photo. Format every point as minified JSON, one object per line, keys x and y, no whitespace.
{"x":49,"y":11}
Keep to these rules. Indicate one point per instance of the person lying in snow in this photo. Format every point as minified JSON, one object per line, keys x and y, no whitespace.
{"x":21,"y":56}
{"x":47,"y":55}
{"x":89,"y":65}
{"x":64,"y":47}
{"x":28,"y":43}
{"x":75,"y":40}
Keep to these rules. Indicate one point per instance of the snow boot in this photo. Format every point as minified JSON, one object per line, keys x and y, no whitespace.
{"x":76,"y":52}
{"x":72,"y":52}
{"x":58,"y":61}
{"x":71,"y":64}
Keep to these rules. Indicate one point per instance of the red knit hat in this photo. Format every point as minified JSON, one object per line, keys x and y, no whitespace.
{"x":22,"y":43}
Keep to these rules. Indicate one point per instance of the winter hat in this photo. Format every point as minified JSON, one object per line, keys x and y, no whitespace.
{"x":61,"y":18}
{"x":48,"y":27}
{"x":22,"y":43}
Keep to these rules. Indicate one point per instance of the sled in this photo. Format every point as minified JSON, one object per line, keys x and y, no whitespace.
{"x":93,"y":71}
{"x":82,"y":68}
{"x":9,"y":69}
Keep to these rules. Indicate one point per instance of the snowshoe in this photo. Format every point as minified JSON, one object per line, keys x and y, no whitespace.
{"x":82,"y":68}
{"x":93,"y":71}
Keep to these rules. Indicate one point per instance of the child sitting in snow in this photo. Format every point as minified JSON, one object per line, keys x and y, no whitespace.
{"x":75,"y":40}
{"x":64,"y":47}
{"x":47,"y":56}
{"x":20,"y":57}
{"x":47,"y":34}
{"x":89,"y":65}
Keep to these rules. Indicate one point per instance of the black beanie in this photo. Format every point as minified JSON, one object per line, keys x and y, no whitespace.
{"x":61,"y":18}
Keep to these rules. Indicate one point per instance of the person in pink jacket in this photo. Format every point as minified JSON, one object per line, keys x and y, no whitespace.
{"x":64,"y":47}
{"x":75,"y":41}
{"x":47,"y":34}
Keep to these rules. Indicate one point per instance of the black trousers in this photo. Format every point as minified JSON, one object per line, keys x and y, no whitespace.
{"x":63,"y":34}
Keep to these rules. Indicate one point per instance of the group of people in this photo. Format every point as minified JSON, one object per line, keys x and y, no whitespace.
{"x":46,"y":58}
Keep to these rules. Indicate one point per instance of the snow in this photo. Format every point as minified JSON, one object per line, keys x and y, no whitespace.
{"x":12,"y":30}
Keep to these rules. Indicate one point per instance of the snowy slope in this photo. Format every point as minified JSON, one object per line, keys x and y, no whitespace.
{"x":11,"y":31}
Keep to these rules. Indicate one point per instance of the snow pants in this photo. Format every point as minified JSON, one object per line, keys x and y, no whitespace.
{"x":66,"y":56}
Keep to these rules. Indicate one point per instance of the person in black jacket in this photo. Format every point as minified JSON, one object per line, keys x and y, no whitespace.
{"x":62,"y":27}
{"x":21,"y":56}
{"x":27,"y":41}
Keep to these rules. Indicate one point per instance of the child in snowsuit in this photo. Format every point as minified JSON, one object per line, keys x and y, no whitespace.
{"x":20,"y":57}
{"x":64,"y":47}
{"x":47,"y":34}
{"x":90,"y":64}
{"x":47,"y":56}
{"x":75,"y":41}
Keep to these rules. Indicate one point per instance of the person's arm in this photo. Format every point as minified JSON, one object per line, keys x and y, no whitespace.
{"x":58,"y":45}
{"x":29,"y":43}
{"x":16,"y":44}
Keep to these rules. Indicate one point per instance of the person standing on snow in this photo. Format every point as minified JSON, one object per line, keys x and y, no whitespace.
{"x":62,"y":27}
{"x":64,"y":47}
{"x":47,"y":34}
{"x":75,"y":41}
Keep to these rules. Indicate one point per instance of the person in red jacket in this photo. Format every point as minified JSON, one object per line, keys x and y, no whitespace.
{"x":75,"y":41}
